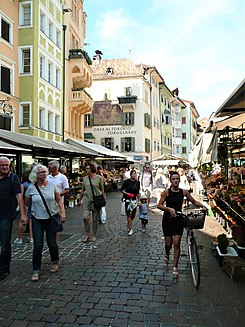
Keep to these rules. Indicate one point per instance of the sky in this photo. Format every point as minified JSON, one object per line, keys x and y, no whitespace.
{"x":197,"y":46}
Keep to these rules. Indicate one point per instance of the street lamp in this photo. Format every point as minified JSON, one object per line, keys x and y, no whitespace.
{"x":65,"y":10}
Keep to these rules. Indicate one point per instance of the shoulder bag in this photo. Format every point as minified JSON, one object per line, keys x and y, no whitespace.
{"x":56,"y":224}
{"x":99,"y":200}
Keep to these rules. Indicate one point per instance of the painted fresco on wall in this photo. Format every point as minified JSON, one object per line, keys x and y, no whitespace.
{"x":106,"y":113}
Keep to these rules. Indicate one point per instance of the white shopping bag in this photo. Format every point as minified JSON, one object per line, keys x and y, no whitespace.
{"x":103,"y":215}
{"x":123,"y":209}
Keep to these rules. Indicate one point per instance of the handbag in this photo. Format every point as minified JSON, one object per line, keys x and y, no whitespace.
{"x":99,"y":200}
{"x":55,"y":223}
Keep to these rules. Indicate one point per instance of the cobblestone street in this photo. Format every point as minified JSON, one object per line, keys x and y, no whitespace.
{"x":120,"y":280}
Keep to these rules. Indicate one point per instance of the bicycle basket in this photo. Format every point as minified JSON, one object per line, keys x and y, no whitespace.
{"x":196,"y":220}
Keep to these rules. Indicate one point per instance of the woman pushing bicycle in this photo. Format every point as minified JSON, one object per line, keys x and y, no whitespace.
{"x":170,"y":202}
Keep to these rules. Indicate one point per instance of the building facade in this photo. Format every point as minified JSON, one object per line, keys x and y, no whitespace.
{"x":126,"y":111}
{"x":189,"y":127}
{"x":9,"y":66}
{"x":40,"y":59}
{"x":78,"y":71}
{"x":166,"y":97}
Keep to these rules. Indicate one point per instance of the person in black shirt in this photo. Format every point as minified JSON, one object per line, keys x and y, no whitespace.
{"x":131,"y":193}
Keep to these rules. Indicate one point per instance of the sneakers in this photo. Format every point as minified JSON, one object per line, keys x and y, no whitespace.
{"x":130,"y":232}
{"x":17,"y":241}
{"x":143,"y":230}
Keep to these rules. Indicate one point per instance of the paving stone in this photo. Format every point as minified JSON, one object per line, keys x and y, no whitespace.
{"x":118,"y":284}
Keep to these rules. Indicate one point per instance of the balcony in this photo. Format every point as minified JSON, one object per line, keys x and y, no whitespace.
{"x":79,"y":66}
{"x":128,"y":101}
{"x":80,"y":101}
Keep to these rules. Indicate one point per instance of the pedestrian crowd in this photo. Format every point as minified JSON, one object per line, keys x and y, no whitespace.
{"x":40,"y":198}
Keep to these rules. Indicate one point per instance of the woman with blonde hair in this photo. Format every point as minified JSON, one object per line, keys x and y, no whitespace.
{"x":41,"y":220}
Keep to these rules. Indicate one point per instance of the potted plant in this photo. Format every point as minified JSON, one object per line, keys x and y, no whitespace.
{"x":223,"y":242}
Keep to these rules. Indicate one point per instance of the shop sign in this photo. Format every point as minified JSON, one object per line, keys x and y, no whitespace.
{"x":113,"y":130}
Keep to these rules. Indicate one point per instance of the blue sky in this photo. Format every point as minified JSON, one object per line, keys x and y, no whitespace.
{"x":197,"y":46}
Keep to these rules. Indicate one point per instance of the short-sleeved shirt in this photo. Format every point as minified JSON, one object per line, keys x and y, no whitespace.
{"x":37,"y":207}
{"x":97,"y":184}
{"x":60,"y":181}
{"x":132,"y":187}
{"x":9,"y":187}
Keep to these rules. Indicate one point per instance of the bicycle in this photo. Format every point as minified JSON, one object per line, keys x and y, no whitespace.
{"x":193,"y":220}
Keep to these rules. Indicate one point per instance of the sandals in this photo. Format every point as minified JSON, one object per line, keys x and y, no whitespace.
{"x":166,"y":259}
{"x":175,"y":273}
{"x":54,"y":268}
{"x":86,"y":240}
{"x":35,"y":277}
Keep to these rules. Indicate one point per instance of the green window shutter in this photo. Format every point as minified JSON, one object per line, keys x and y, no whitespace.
{"x":145,"y":119}
{"x":91,"y":120}
{"x":132,"y":118}
{"x":123,"y":118}
{"x":112,"y":143}
{"x":103,"y":141}
{"x":146,"y":145}
{"x":132,"y":144}
{"x":123,"y":144}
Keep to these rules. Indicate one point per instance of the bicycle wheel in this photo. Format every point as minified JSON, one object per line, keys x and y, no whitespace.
{"x":194,"y":259}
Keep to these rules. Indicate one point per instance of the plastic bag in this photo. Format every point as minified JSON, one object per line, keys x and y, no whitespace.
{"x":123,"y":209}
{"x":103,"y":215}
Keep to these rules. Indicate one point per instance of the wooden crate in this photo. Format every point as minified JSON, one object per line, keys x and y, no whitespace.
{"x":235,"y":268}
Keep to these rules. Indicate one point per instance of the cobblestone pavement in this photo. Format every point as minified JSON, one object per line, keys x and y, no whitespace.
{"x":120,"y":280}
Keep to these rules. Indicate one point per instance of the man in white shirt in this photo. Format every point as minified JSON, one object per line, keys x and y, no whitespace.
{"x":58,"y":179}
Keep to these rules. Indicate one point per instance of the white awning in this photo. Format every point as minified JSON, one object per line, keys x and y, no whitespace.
{"x":99,"y":150}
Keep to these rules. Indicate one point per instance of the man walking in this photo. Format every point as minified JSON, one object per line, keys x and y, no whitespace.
{"x":60,"y":180}
{"x":10,"y":189}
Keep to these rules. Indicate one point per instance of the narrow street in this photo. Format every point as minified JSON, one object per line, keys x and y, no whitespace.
{"x":119,"y":281}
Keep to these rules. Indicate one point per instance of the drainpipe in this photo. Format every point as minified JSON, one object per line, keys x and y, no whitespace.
{"x":63,"y":86}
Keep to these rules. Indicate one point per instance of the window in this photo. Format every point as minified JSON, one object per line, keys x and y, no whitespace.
{"x":57,"y":78}
{"x":58,"y":38}
{"x":127,"y":144}
{"x":50,"y":121}
{"x":128,"y":118}
{"x":5,"y":123}
{"x":184,"y":136}
{"x":108,"y":143}
{"x":147,"y":120}
{"x":42,"y":67}
{"x":147,"y":145}
{"x":50,"y":72}
{"x":41,"y":118}
{"x":183,"y":149}
{"x":183,"y":120}
{"x":25,"y":114}
{"x":42,"y":22}
{"x":109,"y":70}
{"x":6,"y":30}
{"x":155,"y":145}
{"x":25,"y":14}
{"x":6,"y":80}
{"x":88,"y":120}
{"x":128,"y":91}
{"x":57,"y":124}
{"x":51,"y":31}
{"x":25,"y":61}
{"x":177,"y":149}
{"x":167,"y":120}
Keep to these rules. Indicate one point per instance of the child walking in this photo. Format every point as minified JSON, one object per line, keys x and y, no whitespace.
{"x":143,"y":212}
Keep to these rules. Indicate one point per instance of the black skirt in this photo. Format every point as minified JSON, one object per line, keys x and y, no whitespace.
{"x":172,"y":226}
